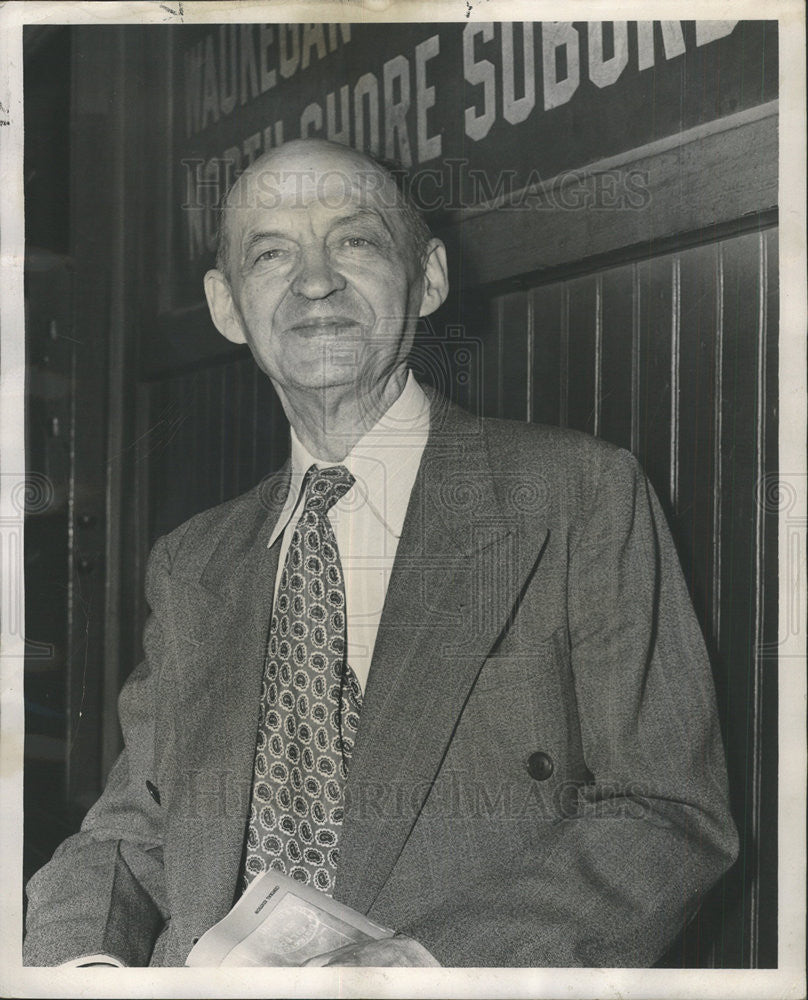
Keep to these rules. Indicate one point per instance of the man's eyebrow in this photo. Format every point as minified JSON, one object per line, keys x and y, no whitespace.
{"x":260,"y":236}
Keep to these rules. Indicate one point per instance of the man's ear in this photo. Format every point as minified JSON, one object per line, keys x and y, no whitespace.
{"x":436,"y":279}
{"x":223,"y":309}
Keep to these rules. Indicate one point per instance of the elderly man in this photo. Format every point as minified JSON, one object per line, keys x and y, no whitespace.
{"x":442,"y":668}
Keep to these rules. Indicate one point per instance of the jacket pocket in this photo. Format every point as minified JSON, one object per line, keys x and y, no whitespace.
{"x":525,"y":663}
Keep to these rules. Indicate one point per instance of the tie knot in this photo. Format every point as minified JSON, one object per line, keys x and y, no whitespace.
{"x":325,"y":486}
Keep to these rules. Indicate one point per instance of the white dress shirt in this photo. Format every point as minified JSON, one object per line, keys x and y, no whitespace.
{"x":367,"y":521}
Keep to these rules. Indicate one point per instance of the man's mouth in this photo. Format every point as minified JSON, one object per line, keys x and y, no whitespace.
{"x":323,"y":324}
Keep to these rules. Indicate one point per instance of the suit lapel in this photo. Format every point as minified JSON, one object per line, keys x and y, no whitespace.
{"x":227,"y":616}
{"x":461,"y":562}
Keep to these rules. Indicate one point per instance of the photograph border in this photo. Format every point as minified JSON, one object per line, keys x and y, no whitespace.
{"x":788,"y":980}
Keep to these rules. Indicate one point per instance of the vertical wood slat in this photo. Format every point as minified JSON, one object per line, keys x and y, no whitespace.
{"x":266,"y":455}
{"x":598,"y":360}
{"x":618,"y":363}
{"x":674,"y":376}
{"x":208,"y":445}
{"x":547,"y":313}
{"x":489,"y":362}
{"x":530,"y":334}
{"x":654,"y":387}
{"x":498,"y":375}
{"x":582,"y":349}
{"x":230,"y":402}
{"x":718,"y":433}
{"x":768,"y":719}
{"x":564,"y":359}
{"x":240,"y":445}
{"x":513,"y":339}
{"x":636,"y":303}
{"x":693,"y":519}
{"x":254,"y":376}
{"x":738,"y":664}
{"x":223,"y":417}
{"x":216,"y":417}
{"x":757,"y":640}
{"x":141,"y":487}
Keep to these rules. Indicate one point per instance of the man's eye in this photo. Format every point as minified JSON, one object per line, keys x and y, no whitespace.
{"x":273,"y":254}
{"x":356,"y":242}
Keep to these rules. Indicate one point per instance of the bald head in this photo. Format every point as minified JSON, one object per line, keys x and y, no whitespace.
{"x":324,"y":270}
{"x":306,"y":170}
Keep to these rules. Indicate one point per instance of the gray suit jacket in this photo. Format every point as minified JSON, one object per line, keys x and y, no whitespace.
{"x":538,"y":777}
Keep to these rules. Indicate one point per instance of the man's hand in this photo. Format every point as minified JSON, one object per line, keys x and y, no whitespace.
{"x":397,"y":950}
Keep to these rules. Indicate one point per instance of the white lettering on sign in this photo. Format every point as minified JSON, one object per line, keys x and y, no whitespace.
{"x":273,"y":135}
{"x":210,"y":90}
{"x":396,"y":76}
{"x":193,"y":89}
{"x":213,"y":183}
{"x":194,"y":218}
{"x":428,"y":146}
{"x":560,"y":39}
{"x":313,"y":37}
{"x":311,"y":121}
{"x":251,"y":147}
{"x":266,"y":37}
{"x":711,"y":31}
{"x":476,"y":73}
{"x":228,"y":68}
{"x":516,"y":109}
{"x":249,"y":70}
{"x":370,"y":111}
{"x":253,"y":55}
{"x":560,"y":54}
{"x":342,"y":134}
{"x":366,"y":92}
{"x":604,"y":72}
{"x":289,"y":38}
{"x":673,"y":41}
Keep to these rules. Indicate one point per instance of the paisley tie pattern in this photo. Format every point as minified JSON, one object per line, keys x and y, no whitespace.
{"x":310,"y":704}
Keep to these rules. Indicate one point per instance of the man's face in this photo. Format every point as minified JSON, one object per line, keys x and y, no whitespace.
{"x":322,"y":276}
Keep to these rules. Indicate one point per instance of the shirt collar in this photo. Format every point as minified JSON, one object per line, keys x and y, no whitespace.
{"x":384,"y":463}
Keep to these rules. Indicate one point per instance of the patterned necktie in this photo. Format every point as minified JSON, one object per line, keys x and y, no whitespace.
{"x":310,"y":703}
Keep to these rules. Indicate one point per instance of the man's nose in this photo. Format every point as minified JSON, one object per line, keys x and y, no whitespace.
{"x":315,"y":277}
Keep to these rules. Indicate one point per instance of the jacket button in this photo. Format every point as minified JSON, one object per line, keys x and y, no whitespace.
{"x":540,"y":766}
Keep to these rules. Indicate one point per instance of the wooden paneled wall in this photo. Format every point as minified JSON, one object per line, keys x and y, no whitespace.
{"x":675,"y":358}
{"x":213,"y":433}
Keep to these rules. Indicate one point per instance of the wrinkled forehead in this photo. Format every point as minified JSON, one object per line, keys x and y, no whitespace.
{"x":333,"y":186}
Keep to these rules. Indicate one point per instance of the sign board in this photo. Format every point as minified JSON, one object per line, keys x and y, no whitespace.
{"x":475,"y":110}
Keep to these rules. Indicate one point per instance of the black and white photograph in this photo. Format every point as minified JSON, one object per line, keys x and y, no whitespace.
{"x":403,"y":499}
